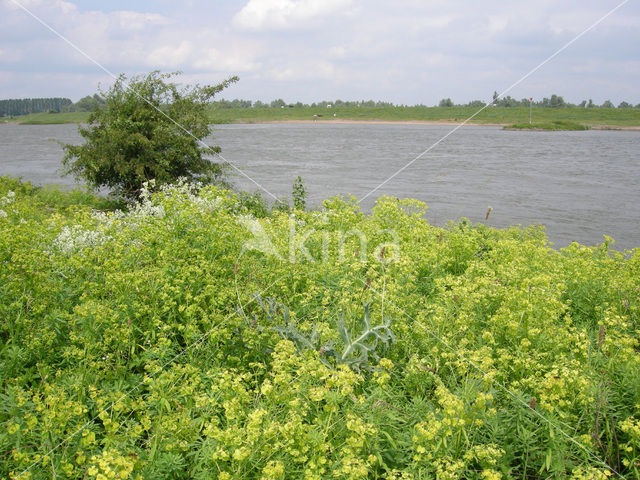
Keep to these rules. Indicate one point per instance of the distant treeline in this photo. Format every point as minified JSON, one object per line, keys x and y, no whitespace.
{"x":24,"y":106}
{"x":279,"y":103}
{"x":555,"y":101}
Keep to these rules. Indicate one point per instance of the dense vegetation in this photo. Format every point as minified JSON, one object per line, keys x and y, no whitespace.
{"x":24,"y":106}
{"x":555,"y":125}
{"x":147,"y":129}
{"x":196,"y":335}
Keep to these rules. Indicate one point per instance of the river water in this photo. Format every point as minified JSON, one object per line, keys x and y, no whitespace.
{"x":580,"y":185}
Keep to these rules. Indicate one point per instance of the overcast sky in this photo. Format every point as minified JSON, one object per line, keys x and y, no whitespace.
{"x":406,"y":51}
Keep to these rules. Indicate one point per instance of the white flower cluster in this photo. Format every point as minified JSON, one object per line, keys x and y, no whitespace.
{"x":191,"y":193}
{"x":6,"y":200}
{"x":72,"y":239}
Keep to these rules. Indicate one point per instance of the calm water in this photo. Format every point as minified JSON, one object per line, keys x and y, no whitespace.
{"x":580,"y":185}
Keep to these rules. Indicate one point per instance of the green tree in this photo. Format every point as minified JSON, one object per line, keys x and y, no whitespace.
{"x":148,"y":129}
{"x":446,"y":102}
{"x":607,"y":104}
{"x":556,"y":101}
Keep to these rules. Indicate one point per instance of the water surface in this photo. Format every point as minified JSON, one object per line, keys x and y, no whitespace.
{"x":580,"y":185}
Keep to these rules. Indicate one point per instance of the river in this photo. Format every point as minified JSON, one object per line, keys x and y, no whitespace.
{"x":580,"y":185}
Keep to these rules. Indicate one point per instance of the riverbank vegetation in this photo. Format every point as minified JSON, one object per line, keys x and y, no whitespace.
{"x":195,"y":334}
{"x":548,"y":126}
{"x":149,"y":129}
{"x":594,"y":117}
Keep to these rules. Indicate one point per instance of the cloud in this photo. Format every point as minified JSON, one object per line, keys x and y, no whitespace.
{"x":288,"y":14}
{"x":406,"y":52}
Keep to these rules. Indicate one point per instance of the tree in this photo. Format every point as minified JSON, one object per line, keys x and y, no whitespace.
{"x":556,"y":101}
{"x":625,"y":105}
{"x":607,"y":104}
{"x":148,"y":129}
{"x":88,"y":103}
{"x":446,"y":102}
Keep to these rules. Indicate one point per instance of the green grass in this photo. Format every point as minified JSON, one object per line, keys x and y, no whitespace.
{"x":184,"y":338}
{"x":612,"y":117}
{"x":490,"y":115}
{"x":553,"y":126}
{"x":50,"y":118}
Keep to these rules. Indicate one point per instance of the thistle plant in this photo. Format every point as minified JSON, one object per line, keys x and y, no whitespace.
{"x":357,"y":345}
{"x":357,"y":350}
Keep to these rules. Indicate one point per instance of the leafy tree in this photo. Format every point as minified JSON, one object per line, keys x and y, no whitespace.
{"x":607,"y":104}
{"x":148,"y":129}
{"x":278,"y":103}
{"x":88,"y":103}
{"x":625,"y":105}
{"x":556,"y":101}
{"x":445,"y":102}
{"x":476,"y":104}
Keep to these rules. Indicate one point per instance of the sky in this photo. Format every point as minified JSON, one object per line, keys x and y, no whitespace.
{"x":405,"y":52}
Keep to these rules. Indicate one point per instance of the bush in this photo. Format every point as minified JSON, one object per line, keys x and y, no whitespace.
{"x":148,"y":129}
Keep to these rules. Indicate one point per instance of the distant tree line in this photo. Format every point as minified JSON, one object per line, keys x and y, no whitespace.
{"x":280,"y":103}
{"x":89,"y":103}
{"x":555,"y":101}
{"x":24,"y":106}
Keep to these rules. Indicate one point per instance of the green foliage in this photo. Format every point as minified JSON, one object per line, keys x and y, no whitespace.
{"x":147,"y":129}
{"x":555,"y":125}
{"x":24,"y":106}
{"x":356,"y":350}
{"x":299,"y":194}
{"x":133,"y":345}
{"x":351,"y":351}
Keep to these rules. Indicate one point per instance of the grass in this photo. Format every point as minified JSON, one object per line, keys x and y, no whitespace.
{"x":552,"y":126}
{"x":49,"y":118}
{"x":608,"y":117}
{"x":490,"y":115}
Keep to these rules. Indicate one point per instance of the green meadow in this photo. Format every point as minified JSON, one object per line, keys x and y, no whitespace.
{"x":594,"y":117}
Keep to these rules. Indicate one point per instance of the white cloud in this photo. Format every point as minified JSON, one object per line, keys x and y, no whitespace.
{"x":170,"y":56}
{"x":410,"y":52}
{"x":286,"y":14}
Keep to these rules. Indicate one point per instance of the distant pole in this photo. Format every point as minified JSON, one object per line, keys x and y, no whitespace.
{"x":530,"y":104}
